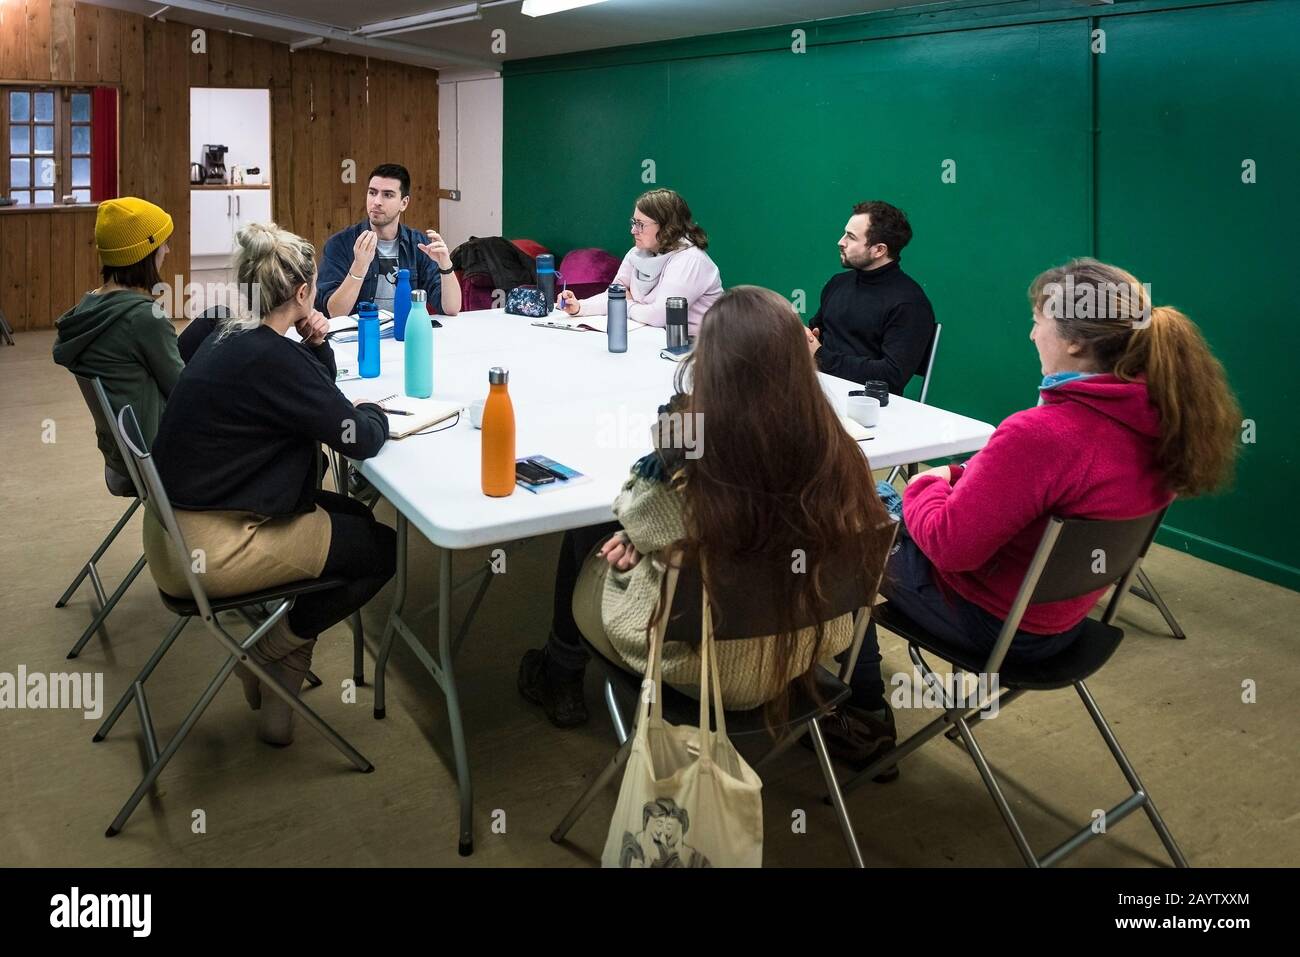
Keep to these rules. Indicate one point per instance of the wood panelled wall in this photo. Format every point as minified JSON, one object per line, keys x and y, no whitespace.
{"x":326,"y":108}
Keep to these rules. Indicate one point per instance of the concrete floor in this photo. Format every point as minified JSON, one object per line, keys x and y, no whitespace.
{"x":1221,"y":770}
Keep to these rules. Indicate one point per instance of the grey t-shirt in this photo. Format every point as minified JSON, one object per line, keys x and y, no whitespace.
{"x":387,"y":281}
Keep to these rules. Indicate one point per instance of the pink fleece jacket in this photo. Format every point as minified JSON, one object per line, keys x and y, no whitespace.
{"x":1087,"y":452}
{"x":689,"y":273}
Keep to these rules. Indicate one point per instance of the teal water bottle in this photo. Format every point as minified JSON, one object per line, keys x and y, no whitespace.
{"x":419,"y":347}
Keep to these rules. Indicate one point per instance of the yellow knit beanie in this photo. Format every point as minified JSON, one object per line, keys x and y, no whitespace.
{"x":128,"y":228}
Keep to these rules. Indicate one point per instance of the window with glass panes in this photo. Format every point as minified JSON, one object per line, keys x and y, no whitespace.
{"x":47,"y":144}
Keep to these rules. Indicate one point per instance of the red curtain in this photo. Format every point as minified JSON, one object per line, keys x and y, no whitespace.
{"x":103,"y":144}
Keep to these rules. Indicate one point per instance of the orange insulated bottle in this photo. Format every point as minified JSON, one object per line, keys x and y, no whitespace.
{"x":498,"y":436}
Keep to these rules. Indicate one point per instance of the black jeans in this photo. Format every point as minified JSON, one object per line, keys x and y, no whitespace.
{"x":564,"y":647}
{"x":910,"y":586}
{"x":362,"y":550}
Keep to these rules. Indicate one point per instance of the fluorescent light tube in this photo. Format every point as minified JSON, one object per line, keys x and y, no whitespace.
{"x":540,"y":8}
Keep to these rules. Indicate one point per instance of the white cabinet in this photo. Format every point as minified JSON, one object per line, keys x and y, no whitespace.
{"x":216,"y":215}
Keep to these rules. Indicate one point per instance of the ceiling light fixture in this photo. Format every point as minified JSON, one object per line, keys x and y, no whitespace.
{"x":420,"y":21}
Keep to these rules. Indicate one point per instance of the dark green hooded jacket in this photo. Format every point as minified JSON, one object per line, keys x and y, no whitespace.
{"x":117,"y":337}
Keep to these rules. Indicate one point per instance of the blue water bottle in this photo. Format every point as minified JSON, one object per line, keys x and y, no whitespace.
{"x":401,"y":304}
{"x":546,"y":279}
{"x":419,"y":348}
{"x":368,"y":340}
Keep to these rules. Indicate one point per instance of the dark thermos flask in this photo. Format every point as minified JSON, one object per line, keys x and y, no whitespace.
{"x":675,"y":321}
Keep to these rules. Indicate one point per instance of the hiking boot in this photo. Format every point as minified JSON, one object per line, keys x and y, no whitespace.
{"x":560,"y":695}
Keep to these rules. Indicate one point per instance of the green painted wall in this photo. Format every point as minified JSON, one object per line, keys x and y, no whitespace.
{"x":772,"y":148}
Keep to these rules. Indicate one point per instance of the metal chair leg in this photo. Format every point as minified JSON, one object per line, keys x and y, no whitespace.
{"x":97,"y":622}
{"x":358,"y":650}
{"x":1147,"y":592}
{"x":143,"y":676}
{"x":584,"y":800}
{"x":99,"y":553}
{"x":837,"y":798}
{"x":615,"y":715}
{"x":995,"y":790}
{"x":1130,"y":775}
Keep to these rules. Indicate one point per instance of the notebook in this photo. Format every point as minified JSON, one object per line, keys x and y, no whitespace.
{"x":425,"y":413}
{"x":581,"y":323}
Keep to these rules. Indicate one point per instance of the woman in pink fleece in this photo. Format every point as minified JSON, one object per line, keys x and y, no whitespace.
{"x":667,"y":259}
{"x":1134,"y":410}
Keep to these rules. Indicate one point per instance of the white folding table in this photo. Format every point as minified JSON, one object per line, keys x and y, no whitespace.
{"x":574,"y":402}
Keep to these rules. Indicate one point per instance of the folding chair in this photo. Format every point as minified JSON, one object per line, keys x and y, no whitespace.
{"x":1064,"y":566}
{"x":199,"y":606}
{"x":927,"y":362}
{"x":6,"y":330}
{"x":745,"y":604}
{"x":92,"y":390}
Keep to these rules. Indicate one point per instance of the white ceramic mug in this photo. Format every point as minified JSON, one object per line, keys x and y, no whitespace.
{"x":864,"y":410}
{"x":476,"y":413}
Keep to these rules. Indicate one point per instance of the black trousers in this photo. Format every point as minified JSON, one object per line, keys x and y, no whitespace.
{"x":564,"y":647}
{"x":362,"y":550}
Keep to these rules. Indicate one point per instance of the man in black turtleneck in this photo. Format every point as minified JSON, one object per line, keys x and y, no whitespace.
{"x":874,"y":321}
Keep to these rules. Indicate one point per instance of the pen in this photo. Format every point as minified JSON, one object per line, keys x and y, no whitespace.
{"x":398,"y":412}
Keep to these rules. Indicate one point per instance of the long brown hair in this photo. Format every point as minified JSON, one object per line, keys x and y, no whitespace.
{"x":778,"y":471}
{"x":1129,"y":338}
{"x":670,"y":211}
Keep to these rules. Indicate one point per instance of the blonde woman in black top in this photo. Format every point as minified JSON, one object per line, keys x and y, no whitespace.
{"x":237,"y":451}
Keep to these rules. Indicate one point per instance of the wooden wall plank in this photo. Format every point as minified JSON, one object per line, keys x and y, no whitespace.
{"x":111,"y":23}
{"x":63,"y":39}
{"x":85,"y":55}
{"x":38,"y":40}
{"x":85,"y":258}
{"x":300,"y":218}
{"x":38,"y":277}
{"x":63,"y":264}
{"x":322,"y":134}
{"x":13,"y":249}
{"x":133,"y":144}
{"x":282,"y":150}
{"x":13,"y":40}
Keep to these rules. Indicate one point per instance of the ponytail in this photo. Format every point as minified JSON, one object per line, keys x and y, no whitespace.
{"x":1199,"y":415}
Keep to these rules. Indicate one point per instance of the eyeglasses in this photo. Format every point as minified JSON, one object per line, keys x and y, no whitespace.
{"x":637,"y":225}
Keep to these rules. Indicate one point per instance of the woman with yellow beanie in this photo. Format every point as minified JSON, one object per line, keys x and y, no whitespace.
{"x":118,"y":332}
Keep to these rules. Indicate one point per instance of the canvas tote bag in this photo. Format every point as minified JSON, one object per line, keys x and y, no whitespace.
{"x":688,"y":799}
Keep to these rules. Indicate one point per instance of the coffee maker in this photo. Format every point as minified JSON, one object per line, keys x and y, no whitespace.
{"x":214,"y":164}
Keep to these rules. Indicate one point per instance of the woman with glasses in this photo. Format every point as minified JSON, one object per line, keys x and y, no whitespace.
{"x":667,"y":259}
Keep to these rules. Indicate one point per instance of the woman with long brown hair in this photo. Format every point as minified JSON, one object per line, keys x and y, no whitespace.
{"x":667,"y":259}
{"x":1134,"y":411}
{"x":776,"y":473}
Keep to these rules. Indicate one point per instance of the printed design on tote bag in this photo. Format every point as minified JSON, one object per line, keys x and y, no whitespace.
{"x":661,"y":840}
